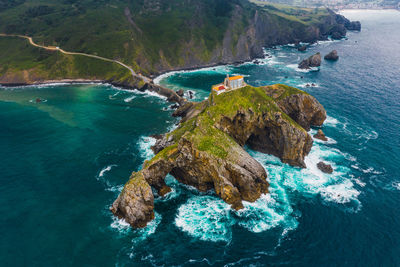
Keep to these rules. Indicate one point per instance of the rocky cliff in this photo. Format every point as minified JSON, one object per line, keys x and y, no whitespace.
{"x":151,"y":36}
{"x":206,"y":150}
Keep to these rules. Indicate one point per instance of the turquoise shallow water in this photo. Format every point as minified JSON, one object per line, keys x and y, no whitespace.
{"x":64,"y":161}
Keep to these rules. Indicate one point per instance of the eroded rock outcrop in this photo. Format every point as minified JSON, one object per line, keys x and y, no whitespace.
{"x":136,"y":202}
{"x":326,"y":168}
{"x":333,"y":56}
{"x":312,"y":61}
{"x":320,"y":135}
{"x":206,"y":150}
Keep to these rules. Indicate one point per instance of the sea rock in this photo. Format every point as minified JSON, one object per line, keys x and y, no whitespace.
{"x":206,"y":150}
{"x":333,"y":55}
{"x":312,"y":61}
{"x":320,"y":135}
{"x":180,"y":92}
{"x":302,"y":48}
{"x":326,"y":168}
{"x":135,"y":204}
{"x":353,"y":26}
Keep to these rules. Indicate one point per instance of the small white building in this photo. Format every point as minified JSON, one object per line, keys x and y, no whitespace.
{"x":230,"y":83}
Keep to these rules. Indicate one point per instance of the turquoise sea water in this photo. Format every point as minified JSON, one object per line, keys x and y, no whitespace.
{"x":64,"y":161}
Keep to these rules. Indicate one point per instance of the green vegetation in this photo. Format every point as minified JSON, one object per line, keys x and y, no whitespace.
{"x":281,"y":91}
{"x":149,"y":35}
{"x":163,"y":154}
{"x":18,"y":57}
{"x":202,"y":133}
{"x":306,"y":16}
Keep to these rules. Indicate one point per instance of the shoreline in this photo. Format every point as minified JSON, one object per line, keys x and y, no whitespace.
{"x":169,"y":94}
{"x":55,"y":82}
{"x":162,"y":75}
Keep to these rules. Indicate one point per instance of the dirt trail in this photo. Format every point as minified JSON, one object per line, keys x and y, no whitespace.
{"x":54,"y":48}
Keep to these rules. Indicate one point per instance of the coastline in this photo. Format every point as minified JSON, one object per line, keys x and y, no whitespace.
{"x":56,"y":82}
{"x":169,"y":94}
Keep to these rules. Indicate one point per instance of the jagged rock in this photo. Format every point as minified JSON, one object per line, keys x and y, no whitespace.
{"x":312,"y":61}
{"x":135,"y":204}
{"x":337,"y":36}
{"x":326,"y":168}
{"x":320,"y":135}
{"x":162,"y":141}
{"x":207,"y":152}
{"x":300,"y":106}
{"x":353,"y":26}
{"x":349,"y":25}
{"x":302,"y":48}
{"x":180,"y":92}
{"x":333,"y":55}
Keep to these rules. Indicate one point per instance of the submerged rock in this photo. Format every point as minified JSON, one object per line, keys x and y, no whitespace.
{"x":206,"y":150}
{"x":302,"y":48}
{"x":326,"y":168}
{"x":333,"y":55}
{"x":312,"y":61}
{"x":320,"y":135}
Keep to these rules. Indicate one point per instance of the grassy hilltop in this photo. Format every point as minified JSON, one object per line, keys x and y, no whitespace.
{"x":150,"y":35}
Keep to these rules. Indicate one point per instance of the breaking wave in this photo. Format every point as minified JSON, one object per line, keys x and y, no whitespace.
{"x":209,"y":218}
{"x":145,"y":144}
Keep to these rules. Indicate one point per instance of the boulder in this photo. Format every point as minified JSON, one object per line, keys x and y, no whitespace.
{"x":312,"y":61}
{"x":333,"y":56}
{"x":320,"y":135}
{"x":302,"y":48}
{"x":180,"y":92}
{"x":326,"y":168}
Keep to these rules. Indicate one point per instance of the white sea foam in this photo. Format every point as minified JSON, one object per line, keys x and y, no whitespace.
{"x":129,"y":99}
{"x":296,"y":68}
{"x":209,"y":218}
{"x":330,"y":140}
{"x":145,"y":144}
{"x":336,"y":187}
{"x":120,"y":225}
{"x":330,"y":121}
{"x":205,"y":217}
{"x":124,"y":227}
{"x":396,"y":185}
{"x":106,"y":169}
{"x":308,"y":85}
{"x":359,"y":182}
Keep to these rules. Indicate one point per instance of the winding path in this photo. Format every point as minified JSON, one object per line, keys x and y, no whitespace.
{"x":56,"y":48}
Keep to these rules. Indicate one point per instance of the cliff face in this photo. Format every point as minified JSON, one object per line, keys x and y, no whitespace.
{"x":257,"y":29}
{"x":151,"y":36}
{"x":206,"y":151}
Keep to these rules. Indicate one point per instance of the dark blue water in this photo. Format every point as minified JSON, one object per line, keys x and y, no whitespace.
{"x":64,"y":161}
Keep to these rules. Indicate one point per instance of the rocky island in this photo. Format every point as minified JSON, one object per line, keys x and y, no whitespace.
{"x":207,"y":150}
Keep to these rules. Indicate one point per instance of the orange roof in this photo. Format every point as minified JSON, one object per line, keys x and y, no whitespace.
{"x":219,"y":88}
{"x":235,"y":77}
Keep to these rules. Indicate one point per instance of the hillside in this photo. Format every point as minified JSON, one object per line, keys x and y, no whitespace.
{"x":152,"y":36}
